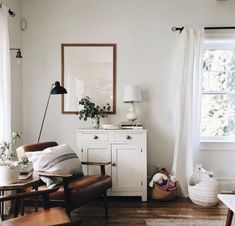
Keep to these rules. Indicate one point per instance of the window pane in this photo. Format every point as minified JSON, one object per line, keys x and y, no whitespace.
{"x":219,"y":60}
{"x":218,"y":81}
{"x":218,"y":70}
{"x":218,"y":115}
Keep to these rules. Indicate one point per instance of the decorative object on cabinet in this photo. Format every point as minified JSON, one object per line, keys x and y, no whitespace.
{"x":131,"y":125}
{"x":88,"y":70}
{"x":93,"y":111}
{"x":110,"y":126}
{"x":56,"y":88}
{"x":126,"y":149}
{"x":132,"y":94}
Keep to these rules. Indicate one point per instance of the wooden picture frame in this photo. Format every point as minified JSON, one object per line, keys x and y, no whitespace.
{"x":88,"y":70}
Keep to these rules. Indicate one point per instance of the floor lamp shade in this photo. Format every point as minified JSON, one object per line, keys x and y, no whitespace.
{"x":56,"y":88}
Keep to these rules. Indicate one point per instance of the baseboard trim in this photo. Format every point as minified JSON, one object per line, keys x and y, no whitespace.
{"x":227,"y":185}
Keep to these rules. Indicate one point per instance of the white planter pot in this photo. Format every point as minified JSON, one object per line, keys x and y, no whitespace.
{"x":9,"y":175}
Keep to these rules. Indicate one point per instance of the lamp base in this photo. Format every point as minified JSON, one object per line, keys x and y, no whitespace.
{"x":131,"y":115}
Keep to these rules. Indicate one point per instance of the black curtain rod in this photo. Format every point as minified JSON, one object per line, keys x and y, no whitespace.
{"x":180,"y":29}
{"x":11,"y":12}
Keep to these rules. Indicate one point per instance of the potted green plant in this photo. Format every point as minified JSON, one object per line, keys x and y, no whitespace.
{"x":93,"y":111}
{"x":9,"y":167}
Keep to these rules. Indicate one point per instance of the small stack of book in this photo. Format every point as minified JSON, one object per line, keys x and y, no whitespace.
{"x":131,"y":125}
{"x":26,"y":172}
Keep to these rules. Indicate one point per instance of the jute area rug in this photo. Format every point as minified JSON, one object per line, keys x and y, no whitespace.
{"x":184,"y":222}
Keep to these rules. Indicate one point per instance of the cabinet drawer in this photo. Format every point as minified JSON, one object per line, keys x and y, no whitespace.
{"x":127,"y":137}
{"x":95,"y":137}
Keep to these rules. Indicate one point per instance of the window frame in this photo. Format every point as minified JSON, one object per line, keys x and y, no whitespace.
{"x":217,"y":143}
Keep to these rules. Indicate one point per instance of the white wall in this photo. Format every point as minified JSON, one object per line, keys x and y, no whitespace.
{"x":145,"y":57}
{"x":15,"y":36}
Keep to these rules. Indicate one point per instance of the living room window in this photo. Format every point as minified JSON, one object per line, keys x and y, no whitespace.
{"x":218,"y":91}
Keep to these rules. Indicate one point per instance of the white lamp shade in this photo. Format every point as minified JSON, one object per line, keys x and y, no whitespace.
{"x":132,"y":94}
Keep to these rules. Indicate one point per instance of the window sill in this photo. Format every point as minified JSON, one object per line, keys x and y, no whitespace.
{"x":217,"y":145}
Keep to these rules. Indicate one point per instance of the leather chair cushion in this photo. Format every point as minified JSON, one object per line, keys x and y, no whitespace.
{"x":84,"y":189}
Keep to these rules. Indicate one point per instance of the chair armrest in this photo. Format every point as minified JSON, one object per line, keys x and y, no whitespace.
{"x":53,"y":174}
{"x":28,"y":194}
{"x":101,"y":164}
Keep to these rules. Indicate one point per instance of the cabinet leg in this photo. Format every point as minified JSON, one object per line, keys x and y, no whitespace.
{"x":144,"y":196}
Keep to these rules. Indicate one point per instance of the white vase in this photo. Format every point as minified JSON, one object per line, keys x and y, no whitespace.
{"x":96,"y":123}
{"x":9,"y":175}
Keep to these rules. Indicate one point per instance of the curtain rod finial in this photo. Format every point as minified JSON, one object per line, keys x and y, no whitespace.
{"x":177,"y":29}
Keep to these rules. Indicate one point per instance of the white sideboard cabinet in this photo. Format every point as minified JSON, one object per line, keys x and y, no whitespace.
{"x":127,"y":152}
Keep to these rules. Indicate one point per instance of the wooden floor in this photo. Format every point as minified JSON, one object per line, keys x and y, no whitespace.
{"x":131,"y":211}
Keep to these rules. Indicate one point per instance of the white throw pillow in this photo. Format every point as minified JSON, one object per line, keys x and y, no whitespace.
{"x":59,"y":160}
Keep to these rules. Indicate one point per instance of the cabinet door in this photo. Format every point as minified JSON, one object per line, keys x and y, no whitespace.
{"x":96,"y":153}
{"x":126,"y":172}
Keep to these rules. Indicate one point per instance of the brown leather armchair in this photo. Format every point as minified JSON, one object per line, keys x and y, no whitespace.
{"x":74,"y":191}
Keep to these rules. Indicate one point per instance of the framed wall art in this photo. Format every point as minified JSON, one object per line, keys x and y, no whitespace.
{"x":88,"y":70}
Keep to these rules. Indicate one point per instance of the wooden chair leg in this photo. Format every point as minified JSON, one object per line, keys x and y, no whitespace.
{"x":17,"y":205}
{"x":68,"y":210}
{"x":106,"y":206}
{"x":67,"y":197}
{"x":22,"y":207}
{"x":229,"y":218}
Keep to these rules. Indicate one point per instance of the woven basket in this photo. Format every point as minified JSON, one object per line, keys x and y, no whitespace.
{"x":159,"y":193}
{"x":205,"y":192}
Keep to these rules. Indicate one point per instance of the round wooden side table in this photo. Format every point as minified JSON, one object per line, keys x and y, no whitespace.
{"x":20,"y":186}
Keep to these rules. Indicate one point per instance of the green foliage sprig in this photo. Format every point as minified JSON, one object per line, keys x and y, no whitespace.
{"x":91,"y":110}
{"x":6,"y":147}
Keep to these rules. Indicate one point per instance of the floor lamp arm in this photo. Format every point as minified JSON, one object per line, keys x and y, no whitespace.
{"x":44,"y":116}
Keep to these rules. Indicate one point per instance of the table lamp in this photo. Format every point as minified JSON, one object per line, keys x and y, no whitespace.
{"x":56,"y":88}
{"x":132,"y":95}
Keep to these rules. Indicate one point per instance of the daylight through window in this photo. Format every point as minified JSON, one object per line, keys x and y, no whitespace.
{"x":218,"y":90}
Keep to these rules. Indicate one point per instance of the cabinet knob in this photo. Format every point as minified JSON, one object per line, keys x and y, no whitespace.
{"x":128,"y":137}
{"x":113,"y":164}
{"x":95,"y":137}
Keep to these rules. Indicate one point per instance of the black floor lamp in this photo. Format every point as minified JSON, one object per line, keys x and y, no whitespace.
{"x":56,"y":88}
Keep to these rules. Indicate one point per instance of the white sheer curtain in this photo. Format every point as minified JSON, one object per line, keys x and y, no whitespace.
{"x":5,"y":83}
{"x":188,"y":117}
{"x":5,"y":78}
